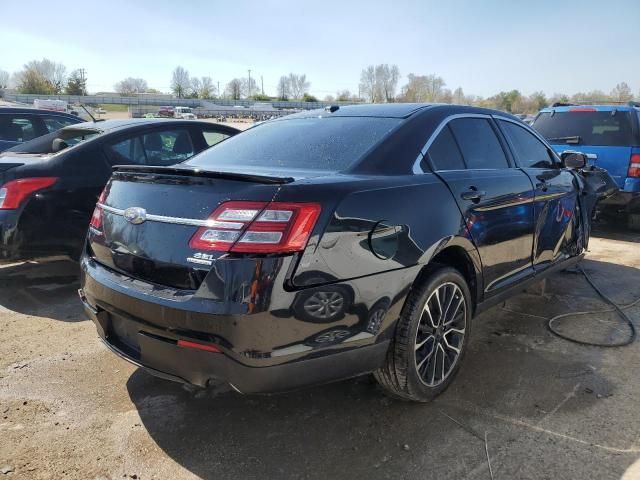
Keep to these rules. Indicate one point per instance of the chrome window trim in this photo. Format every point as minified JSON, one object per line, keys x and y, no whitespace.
{"x":163,"y":219}
{"x":423,"y":152}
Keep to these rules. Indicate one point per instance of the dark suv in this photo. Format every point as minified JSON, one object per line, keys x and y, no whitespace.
{"x":332,"y":243}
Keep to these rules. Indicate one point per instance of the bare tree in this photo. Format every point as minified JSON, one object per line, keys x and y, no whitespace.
{"x":386,"y":80}
{"x":458,"y":96}
{"x":180,"y":82}
{"x":234,"y":89}
{"x":131,"y":86}
{"x":4,"y":79}
{"x":622,"y":93}
{"x":368,"y":84}
{"x":207,"y":89}
{"x":247,"y":86}
{"x":329,"y":98}
{"x":298,"y":85}
{"x":344,"y":96}
{"x":284,"y":89}
{"x":423,"y":88}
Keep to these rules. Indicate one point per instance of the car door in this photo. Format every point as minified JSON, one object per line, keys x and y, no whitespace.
{"x":556,"y":195}
{"x":494,"y":198}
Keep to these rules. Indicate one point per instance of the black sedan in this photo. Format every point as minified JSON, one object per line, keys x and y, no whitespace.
{"x":332,"y":243}
{"x":50,"y":185}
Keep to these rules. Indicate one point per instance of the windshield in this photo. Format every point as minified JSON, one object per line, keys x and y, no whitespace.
{"x":324,"y":144}
{"x":44,"y":144}
{"x":586,"y":128}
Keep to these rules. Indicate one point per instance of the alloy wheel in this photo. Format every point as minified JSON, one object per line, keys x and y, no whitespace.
{"x":440,"y":334}
{"x":324,"y":305}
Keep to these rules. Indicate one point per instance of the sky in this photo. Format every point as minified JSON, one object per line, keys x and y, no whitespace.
{"x":482,"y":46}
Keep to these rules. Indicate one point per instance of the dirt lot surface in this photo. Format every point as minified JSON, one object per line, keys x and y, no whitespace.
{"x":537,"y":406}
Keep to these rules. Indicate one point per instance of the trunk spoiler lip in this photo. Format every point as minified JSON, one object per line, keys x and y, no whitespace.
{"x":243,"y":177}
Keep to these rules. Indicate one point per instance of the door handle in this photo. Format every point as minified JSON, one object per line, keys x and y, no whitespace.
{"x":473,"y":194}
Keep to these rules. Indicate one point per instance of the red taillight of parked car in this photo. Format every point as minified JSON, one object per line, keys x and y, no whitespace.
{"x":96,"y":218}
{"x":257,"y":227}
{"x":15,"y":192}
{"x":634,"y":166}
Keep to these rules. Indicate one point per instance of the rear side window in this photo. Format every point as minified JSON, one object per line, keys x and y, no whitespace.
{"x":530,"y":152}
{"x":480,"y":147}
{"x":586,"y":128}
{"x":129,"y":151}
{"x":16,"y":129}
{"x":211,"y":138}
{"x":167,"y":147}
{"x":444,"y":152}
{"x":325,"y":144}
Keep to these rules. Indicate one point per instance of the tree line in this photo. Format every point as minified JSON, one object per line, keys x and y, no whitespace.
{"x":378,"y":84}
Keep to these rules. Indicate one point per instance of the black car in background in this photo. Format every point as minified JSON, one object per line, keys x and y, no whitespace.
{"x":49,"y":186}
{"x":332,"y":243}
{"x":18,"y":125}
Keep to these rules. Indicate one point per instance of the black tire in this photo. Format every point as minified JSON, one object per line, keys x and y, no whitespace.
{"x":400,"y":376}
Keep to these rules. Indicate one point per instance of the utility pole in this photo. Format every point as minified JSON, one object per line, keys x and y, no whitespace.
{"x":249,"y":96}
{"x":262,"y":83}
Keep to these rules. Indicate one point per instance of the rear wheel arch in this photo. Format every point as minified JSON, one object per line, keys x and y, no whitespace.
{"x":459,"y":258}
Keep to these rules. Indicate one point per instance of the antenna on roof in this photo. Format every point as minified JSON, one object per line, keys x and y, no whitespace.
{"x":89,"y":113}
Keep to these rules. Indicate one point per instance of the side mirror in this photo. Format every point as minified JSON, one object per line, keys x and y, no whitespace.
{"x":573,"y":160}
{"x":58,"y":145}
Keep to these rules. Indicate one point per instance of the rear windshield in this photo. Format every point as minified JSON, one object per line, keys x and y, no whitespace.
{"x":327,"y":144}
{"x":70,"y":136}
{"x":586,"y":128}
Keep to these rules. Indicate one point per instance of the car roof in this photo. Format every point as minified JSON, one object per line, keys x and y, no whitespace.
{"x":38,"y":111}
{"x":113,"y":125}
{"x":597,"y":108}
{"x":388,"y":110}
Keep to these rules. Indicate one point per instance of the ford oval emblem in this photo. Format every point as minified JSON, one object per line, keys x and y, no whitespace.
{"x":135,"y":215}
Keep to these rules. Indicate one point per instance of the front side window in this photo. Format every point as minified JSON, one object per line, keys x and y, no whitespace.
{"x":480,"y":147}
{"x":16,"y":129}
{"x":444,"y":152}
{"x":530,"y":152}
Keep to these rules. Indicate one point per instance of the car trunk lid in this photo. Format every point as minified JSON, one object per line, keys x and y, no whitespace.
{"x":150,"y":215}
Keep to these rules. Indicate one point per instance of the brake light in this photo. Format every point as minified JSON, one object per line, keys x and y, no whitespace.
{"x":634,"y":166}
{"x":96,"y":218}
{"x":257,"y":227}
{"x":582,"y":109}
{"x":13,"y":193}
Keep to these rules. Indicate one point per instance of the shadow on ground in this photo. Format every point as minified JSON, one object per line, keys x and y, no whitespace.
{"x":47,"y":289}
{"x":515,"y":378}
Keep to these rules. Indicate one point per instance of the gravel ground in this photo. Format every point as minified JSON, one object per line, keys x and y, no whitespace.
{"x":536,"y":406}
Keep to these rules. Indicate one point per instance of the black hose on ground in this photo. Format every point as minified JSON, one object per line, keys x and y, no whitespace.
{"x":618,"y":309}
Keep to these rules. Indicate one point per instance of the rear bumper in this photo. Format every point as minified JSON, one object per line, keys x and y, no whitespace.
{"x":265,"y":350}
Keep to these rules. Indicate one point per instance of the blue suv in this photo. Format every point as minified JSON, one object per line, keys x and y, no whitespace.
{"x":610,"y":136}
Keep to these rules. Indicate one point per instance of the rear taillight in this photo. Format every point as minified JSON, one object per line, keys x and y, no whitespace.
{"x":257,"y":227}
{"x":634,"y":166}
{"x":96,"y":218}
{"x":13,"y":193}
